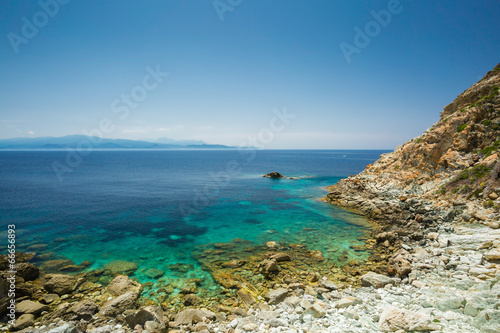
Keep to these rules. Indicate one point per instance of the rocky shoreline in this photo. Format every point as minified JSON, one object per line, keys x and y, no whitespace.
{"x":434,"y":264}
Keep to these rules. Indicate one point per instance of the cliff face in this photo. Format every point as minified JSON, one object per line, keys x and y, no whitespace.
{"x":449,"y":173}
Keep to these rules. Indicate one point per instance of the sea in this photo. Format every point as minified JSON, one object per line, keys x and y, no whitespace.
{"x":154,"y":207}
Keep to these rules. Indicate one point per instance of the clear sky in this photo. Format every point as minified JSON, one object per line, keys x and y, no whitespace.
{"x":66,"y":67}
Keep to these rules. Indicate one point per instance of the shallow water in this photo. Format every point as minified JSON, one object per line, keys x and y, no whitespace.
{"x":155,"y":207}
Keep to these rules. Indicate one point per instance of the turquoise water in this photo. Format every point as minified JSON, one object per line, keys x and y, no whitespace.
{"x":155,"y":207}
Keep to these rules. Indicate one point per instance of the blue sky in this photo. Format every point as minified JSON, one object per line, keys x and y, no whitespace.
{"x":230,"y":63}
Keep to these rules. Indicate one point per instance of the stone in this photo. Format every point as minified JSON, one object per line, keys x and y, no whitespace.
{"x":316,"y":310}
{"x":119,"y":304}
{"x":49,"y":298}
{"x":347,"y":302}
{"x":328,"y":285}
{"x":31,"y":307}
{"x":279,"y":257}
{"x":278,"y":322}
{"x":276,"y":296}
{"x":239,"y":312}
{"x":27,"y":271}
{"x":393,"y":319}
{"x":191,"y":299}
{"x":250,"y":327}
{"x":451,"y":303}
{"x":188,"y":316}
{"x":492,"y":255}
{"x":488,"y":321}
{"x":272,"y":244}
{"x":122,"y":284}
{"x":268,"y":267}
{"x":246,"y":298}
{"x":121,"y":267}
{"x":23,"y":321}
{"x":375,"y":280}
{"x":152,"y":313}
{"x":84,"y":309}
{"x":61,"y":284}
{"x":154,"y":273}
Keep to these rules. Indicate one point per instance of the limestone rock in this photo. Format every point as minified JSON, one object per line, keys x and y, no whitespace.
{"x":347,"y":302}
{"x":276,"y":296}
{"x":119,"y":304}
{"x":188,"y":316}
{"x":375,"y":280}
{"x":393,"y":319}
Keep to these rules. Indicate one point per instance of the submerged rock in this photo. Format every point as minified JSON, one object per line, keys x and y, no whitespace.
{"x":121,"y":267}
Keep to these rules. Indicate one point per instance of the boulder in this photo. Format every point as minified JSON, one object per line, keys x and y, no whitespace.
{"x":347,"y":302}
{"x":119,"y":304}
{"x":27,"y":271}
{"x":152,"y":313}
{"x":375,"y":280}
{"x":189,"y":316}
{"x":246,"y":298}
{"x":122,"y":284}
{"x":61,"y":284}
{"x":276,"y":296}
{"x":154,"y":273}
{"x":268,"y":267}
{"x":49,"y":298}
{"x":328,"y":285}
{"x":279,"y":257}
{"x":492,"y":255}
{"x":393,"y":319}
{"x":84,"y":309}
{"x":121,"y":267}
{"x":24,"y":321}
{"x":31,"y":307}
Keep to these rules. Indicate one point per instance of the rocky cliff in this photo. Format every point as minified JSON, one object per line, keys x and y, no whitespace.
{"x":449,"y":173}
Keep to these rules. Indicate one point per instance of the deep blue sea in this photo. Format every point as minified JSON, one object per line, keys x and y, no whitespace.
{"x":153,"y":207}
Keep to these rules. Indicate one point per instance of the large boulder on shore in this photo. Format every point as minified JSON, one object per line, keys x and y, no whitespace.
{"x":191,"y":316}
{"x":119,"y":304}
{"x":149,"y":313}
{"x":61,"y":284}
{"x":375,"y":280}
{"x":122,"y":284}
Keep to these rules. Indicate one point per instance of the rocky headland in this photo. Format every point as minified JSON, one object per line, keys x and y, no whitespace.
{"x":434,"y":263}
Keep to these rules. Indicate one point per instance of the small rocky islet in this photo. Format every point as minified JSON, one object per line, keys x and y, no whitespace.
{"x":434,"y":262}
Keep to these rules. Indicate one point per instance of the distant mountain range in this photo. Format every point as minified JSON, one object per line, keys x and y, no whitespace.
{"x":83,"y":142}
